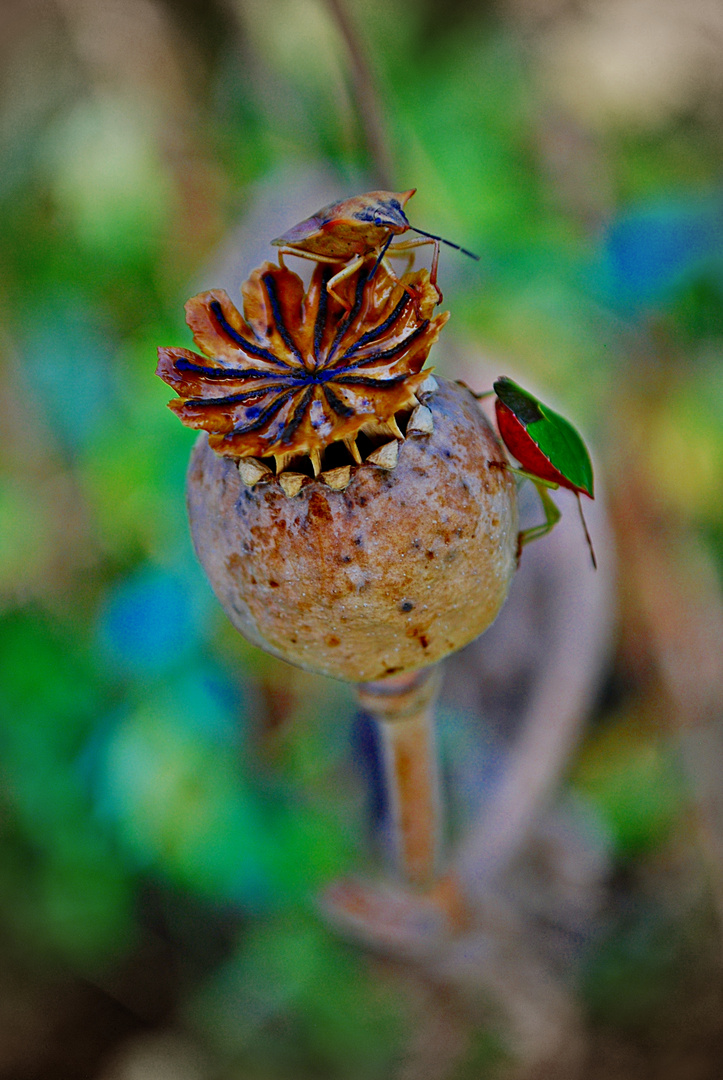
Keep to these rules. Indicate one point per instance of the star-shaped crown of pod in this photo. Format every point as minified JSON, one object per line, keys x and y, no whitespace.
{"x":299,"y":371}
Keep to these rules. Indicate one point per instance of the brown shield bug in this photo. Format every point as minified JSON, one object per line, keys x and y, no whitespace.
{"x":354,"y":229}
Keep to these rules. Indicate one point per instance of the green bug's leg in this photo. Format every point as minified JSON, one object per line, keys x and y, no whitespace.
{"x":587,"y":534}
{"x":552,"y":515}
{"x":477,"y":395}
{"x":536,"y":480}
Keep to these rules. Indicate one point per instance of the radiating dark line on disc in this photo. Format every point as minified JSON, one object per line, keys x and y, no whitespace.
{"x":221,"y":373}
{"x":336,"y":403}
{"x":378,"y":331}
{"x":349,"y":317}
{"x":239,"y":339}
{"x":296,"y":417}
{"x":367,"y":380}
{"x":320,"y":316}
{"x":386,"y":354}
{"x":279,"y":323}
{"x":230,"y":399}
{"x":266,"y":414}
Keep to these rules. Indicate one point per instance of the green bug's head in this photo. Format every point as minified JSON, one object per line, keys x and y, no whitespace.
{"x":525,"y":407}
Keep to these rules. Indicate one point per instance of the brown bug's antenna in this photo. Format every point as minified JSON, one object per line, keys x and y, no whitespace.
{"x":447,"y":242}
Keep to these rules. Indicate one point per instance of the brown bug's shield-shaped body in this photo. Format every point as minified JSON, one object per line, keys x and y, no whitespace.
{"x":354,"y":226}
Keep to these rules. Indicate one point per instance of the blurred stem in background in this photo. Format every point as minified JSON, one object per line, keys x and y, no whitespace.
{"x":367,"y":98}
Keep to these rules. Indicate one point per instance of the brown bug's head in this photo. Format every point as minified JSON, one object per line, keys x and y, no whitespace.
{"x":382,"y":209}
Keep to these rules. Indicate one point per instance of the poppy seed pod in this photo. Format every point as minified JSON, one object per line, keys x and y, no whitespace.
{"x":354,"y":515}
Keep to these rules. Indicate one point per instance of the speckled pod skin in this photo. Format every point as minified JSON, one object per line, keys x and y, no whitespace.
{"x":387,"y":576}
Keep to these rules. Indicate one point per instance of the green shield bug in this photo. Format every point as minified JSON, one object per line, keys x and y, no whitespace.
{"x":550,"y":451}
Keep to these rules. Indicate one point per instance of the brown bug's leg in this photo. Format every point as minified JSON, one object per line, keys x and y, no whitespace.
{"x":390,"y":270}
{"x":407,"y":288}
{"x":408,"y":245}
{"x":433,"y":274}
{"x":301,"y":254}
{"x":410,"y":259}
{"x":380,"y":256}
{"x":350,"y":268}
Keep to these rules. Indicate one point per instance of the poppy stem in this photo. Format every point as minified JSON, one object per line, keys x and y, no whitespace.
{"x":403,"y":709}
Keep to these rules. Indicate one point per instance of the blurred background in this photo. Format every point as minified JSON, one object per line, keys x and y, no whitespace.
{"x":172,"y":801}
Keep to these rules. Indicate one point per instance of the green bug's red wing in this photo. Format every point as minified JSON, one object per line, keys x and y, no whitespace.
{"x":521,"y":445}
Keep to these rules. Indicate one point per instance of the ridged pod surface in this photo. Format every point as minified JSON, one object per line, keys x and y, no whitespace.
{"x":391,"y":574}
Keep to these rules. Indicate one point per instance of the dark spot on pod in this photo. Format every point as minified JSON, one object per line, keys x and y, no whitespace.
{"x":430,"y":555}
{"x":319,"y":508}
{"x":273,"y":584}
{"x":359,"y":540}
{"x":406,"y":605}
{"x":420,"y":635}
{"x":346,"y":558}
{"x":391,"y":670}
{"x":333,"y":640}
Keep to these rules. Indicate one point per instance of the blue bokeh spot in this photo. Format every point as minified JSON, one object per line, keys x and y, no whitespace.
{"x":651,"y":251}
{"x":149,"y":621}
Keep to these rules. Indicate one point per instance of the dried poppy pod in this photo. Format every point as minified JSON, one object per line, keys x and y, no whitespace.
{"x":354,"y":516}
{"x":301,"y":371}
